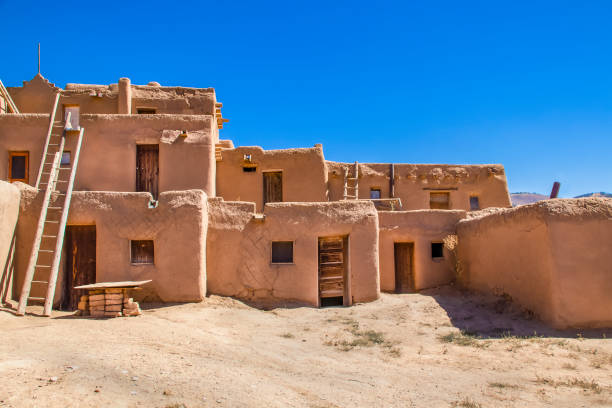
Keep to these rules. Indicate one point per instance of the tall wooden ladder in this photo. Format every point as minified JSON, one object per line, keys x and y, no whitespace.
{"x":351,"y":184}
{"x":45,"y":255}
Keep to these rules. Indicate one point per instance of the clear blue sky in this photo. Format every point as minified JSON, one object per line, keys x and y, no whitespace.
{"x":526,"y":84}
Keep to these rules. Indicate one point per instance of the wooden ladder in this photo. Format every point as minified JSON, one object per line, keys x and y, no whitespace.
{"x":351,"y":184}
{"x":45,"y":255}
{"x":7,"y":97}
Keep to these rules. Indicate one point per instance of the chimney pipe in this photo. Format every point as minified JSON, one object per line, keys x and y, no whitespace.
{"x":555,"y":190}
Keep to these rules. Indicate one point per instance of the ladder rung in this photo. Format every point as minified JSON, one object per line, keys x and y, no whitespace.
{"x":49,"y":236}
{"x":52,"y":222}
{"x":43,"y":266}
{"x":40,"y":282}
{"x":54,"y":208}
{"x":351,"y":178}
{"x":36,"y":298}
{"x":54,"y":144}
{"x":46,"y":250}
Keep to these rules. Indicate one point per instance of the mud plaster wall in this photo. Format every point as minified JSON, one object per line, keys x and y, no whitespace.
{"x":421,"y":228}
{"x":552,"y":257}
{"x":9,"y":212}
{"x":414,"y":182}
{"x":178,"y":227}
{"x":37,"y":96}
{"x":108,"y":153}
{"x":304,"y":175}
{"x":239,"y":249}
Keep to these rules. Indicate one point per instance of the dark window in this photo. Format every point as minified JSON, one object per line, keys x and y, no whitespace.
{"x":437,"y":250}
{"x":273,"y":187}
{"x":282,"y":252}
{"x":18,"y":166}
{"x":439,"y":201}
{"x":65,"y":159}
{"x":249,"y":169}
{"x":375,"y":193}
{"x":142,"y":252}
{"x":474,"y":204}
{"x":146,"y":111}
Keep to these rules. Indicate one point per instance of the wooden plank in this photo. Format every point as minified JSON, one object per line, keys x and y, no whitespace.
{"x":273,"y":187}
{"x":325,"y":257}
{"x":122,"y":284}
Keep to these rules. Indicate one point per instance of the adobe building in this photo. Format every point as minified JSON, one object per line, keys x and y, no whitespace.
{"x":126,"y":182}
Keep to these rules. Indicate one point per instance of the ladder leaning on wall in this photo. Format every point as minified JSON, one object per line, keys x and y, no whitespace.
{"x":45,"y":256}
{"x":351,"y":184}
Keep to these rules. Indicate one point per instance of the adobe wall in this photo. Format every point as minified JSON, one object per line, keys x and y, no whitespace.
{"x":239,"y":249}
{"x":304,"y":174}
{"x":108,"y":153}
{"x":178,"y":227}
{"x":420,"y":227}
{"x":9,"y":212}
{"x":414,"y":182}
{"x":552,"y":257}
{"x":37,"y":96}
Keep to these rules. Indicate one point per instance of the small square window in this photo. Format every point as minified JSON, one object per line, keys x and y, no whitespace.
{"x":439,"y":201}
{"x":474,"y":204}
{"x":65,"y":159}
{"x":282,"y":252}
{"x":249,"y":168}
{"x":375,"y":193}
{"x":142,"y":252}
{"x":437,"y":250}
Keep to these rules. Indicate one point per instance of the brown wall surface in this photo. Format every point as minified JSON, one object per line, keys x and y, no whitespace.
{"x":414,"y":182}
{"x":239,"y":249}
{"x":9,"y":213}
{"x":108,"y":154}
{"x":421,"y":228}
{"x":552,"y":257}
{"x":304,"y":174}
{"x":178,"y":227}
{"x":37,"y":96}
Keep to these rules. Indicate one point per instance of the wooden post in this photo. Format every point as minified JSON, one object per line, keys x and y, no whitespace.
{"x":59,"y":242}
{"x":392,"y":180}
{"x":44,"y":155}
{"x":27,"y":282}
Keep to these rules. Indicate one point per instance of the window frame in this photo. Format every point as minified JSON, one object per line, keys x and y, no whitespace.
{"x":132,"y":243}
{"x":20,"y":153}
{"x":264,"y":173}
{"x":292,"y":252}
{"x":473,"y":196}
{"x":431,"y":249}
{"x":372,"y":189}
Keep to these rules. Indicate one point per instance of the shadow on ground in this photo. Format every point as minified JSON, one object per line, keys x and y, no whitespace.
{"x":489,"y":316}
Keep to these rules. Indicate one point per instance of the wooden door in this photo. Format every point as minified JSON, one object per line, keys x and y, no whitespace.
{"x":80,"y":256}
{"x":273,"y":187}
{"x":147,"y":169}
{"x":332,"y":270}
{"x":404,"y":274}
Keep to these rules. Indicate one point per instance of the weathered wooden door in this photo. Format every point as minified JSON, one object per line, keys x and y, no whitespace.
{"x":332,"y":271}
{"x":273,"y":187}
{"x":147,"y":169}
{"x":404,"y":275}
{"x":80,"y":256}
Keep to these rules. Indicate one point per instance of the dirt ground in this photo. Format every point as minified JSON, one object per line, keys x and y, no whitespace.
{"x":439,"y":348}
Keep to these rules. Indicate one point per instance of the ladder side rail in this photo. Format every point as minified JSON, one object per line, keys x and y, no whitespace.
{"x":8,"y":98}
{"x":44,"y":155}
{"x":356,"y":181}
{"x":27,"y":282}
{"x":345,"y":183}
{"x":61,"y":231}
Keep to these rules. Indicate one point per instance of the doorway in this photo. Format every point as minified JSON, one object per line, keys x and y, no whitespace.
{"x":333,"y":271}
{"x":404,"y":270}
{"x":80,"y":256}
{"x":147,"y":169}
{"x":273,"y":187}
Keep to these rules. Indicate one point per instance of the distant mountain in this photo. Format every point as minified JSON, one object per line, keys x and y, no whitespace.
{"x":600,"y":194}
{"x":528,"y":198}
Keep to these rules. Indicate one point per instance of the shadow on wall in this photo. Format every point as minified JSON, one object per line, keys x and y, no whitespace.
{"x":494,"y":317}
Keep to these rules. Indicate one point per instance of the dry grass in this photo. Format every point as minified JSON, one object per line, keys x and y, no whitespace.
{"x":503,"y":385}
{"x":574,"y":382}
{"x":466,"y":402}
{"x":463,"y":338}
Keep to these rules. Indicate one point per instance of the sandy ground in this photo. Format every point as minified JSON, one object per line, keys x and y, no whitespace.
{"x":440,"y":348}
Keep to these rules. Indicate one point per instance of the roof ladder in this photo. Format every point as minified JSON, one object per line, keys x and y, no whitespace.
{"x":44,"y":262}
{"x":7,"y":97}
{"x":351,"y":184}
